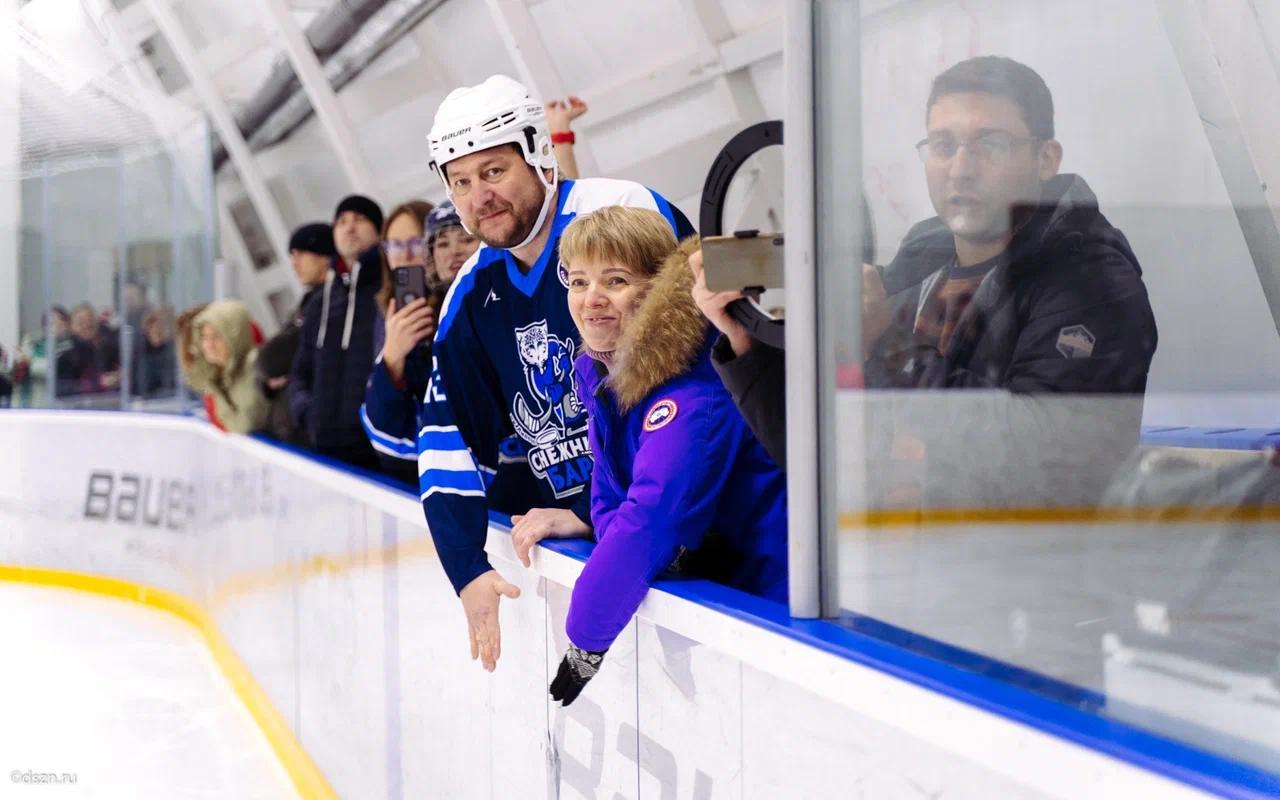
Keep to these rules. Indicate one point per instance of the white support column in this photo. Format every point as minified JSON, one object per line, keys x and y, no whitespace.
{"x":254,"y":182}
{"x":533,"y":61}
{"x":10,"y":190}
{"x":323,"y":99}
{"x":804,"y":480}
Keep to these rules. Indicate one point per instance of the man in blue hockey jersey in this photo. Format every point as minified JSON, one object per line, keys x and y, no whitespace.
{"x":502,"y":426}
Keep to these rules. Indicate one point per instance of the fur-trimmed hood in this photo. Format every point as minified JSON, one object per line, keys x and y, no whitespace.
{"x":666,"y":336}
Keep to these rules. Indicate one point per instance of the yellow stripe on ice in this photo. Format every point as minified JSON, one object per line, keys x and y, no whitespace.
{"x":307,"y":778}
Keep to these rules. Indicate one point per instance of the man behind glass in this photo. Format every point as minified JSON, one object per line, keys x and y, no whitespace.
{"x":1019,"y":285}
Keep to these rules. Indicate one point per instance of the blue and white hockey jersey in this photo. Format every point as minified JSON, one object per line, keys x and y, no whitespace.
{"x":502,"y":426}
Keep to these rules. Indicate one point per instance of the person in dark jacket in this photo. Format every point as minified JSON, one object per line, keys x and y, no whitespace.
{"x":155,"y":366}
{"x":754,"y":373}
{"x":310,"y":252}
{"x":433,"y":239}
{"x":680,"y":483}
{"x":1020,"y":286}
{"x":335,"y":350}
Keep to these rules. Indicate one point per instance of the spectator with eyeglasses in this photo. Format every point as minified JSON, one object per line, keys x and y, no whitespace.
{"x":1019,"y":283}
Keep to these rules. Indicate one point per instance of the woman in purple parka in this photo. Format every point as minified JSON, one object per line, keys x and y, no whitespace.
{"x":680,"y":484}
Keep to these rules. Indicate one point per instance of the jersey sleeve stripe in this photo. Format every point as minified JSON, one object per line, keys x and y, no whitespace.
{"x":394,"y":453}
{"x":468,"y":481}
{"x":386,"y":443}
{"x":442,"y":440}
{"x":448,"y":490}
{"x":446,"y":461}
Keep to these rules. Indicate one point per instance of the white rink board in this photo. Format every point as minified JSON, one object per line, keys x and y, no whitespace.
{"x":362,"y":647}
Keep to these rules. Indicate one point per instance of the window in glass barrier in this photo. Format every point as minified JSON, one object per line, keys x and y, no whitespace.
{"x":27,"y":367}
{"x":1057,"y":392}
{"x":80,"y":229}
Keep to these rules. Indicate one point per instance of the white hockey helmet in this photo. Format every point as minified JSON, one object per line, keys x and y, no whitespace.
{"x":498,"y":111}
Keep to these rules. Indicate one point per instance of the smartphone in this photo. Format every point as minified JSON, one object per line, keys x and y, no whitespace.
{"x":411,"y":285}
{"x":747,"y":260}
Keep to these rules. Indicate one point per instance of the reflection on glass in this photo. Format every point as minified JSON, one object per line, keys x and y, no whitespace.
{"x":1018,"y":483}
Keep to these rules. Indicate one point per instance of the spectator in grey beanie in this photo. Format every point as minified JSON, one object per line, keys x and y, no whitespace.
{"x":310,"y":252}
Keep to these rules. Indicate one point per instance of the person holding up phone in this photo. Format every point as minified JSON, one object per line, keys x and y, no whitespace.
{"x":423,"y":249}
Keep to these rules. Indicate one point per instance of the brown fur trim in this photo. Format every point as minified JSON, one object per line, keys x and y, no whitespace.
{"x":666,"y":334}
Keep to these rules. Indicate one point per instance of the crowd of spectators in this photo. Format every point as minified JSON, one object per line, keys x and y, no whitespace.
{"x":87,"y":360}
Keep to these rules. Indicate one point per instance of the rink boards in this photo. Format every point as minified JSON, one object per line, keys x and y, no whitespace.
{"x":327,"y":587}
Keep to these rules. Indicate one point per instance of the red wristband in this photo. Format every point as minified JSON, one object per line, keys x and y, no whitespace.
{"x":566,"y":137}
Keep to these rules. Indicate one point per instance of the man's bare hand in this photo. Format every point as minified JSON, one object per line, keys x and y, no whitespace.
{"x":543,"y":523}
{"x":714,"y":306}
{"x":480,"y":600}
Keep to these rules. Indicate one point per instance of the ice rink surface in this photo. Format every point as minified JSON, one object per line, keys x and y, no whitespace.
{"x":126,"y":699}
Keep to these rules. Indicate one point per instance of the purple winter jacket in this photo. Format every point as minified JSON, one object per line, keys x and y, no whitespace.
{"x":678,"y":477}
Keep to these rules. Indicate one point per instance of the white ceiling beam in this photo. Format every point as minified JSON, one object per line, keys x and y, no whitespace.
{"x":652,"y":86}
{"x":231,"y":50}
{"x":712,"y":28}
{"x":533,"y":62}
{"x":670,"y":172}
{"x":253,"y":287}
{"x":1228,"y":69}
{"x":250,"y":175}
{"x":324,"y":100}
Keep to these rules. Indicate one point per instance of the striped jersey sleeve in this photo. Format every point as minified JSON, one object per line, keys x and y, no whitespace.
{"x":463,"y":421}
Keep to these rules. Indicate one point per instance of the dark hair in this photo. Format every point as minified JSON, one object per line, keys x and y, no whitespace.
{"x":418,"y":209}
{"x":1002,"y":77}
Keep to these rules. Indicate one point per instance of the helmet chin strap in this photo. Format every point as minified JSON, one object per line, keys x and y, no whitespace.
{"x":546,"y":205}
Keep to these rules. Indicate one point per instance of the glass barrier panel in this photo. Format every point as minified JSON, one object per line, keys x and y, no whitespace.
{"x":1057,"y":387}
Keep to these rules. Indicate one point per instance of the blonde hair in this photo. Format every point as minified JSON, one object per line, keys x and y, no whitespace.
{"x":635,"y":237}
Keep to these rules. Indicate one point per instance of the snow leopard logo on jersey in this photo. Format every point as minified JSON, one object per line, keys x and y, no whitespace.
{"x":562,"y":272}
{"x":549,"y":417}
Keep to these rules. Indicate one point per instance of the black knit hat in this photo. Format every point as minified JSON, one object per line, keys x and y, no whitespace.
{"x":316,"y":237}
{"x":361,"y":205}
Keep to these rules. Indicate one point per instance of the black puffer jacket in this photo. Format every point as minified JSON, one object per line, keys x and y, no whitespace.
{"x":757,"y":379}
{"x":335,"y":356}
{"x":1061,"y":330}
{"x":1067,"y":277}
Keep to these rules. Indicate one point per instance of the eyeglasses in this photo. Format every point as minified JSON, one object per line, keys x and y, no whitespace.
{"x":992,"y":148}
{"x":394,"y":248}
